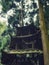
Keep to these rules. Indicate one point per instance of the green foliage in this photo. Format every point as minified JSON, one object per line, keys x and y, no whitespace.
{"x":1,"y":64}
{"x":3,"y":27}
{"x":47,"y":17}
{"x":4,"y":41}
{"x":7,"y":4}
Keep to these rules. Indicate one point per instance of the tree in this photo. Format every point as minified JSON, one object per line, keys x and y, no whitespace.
{"x":27,"y":8}
{"x":45,"y":41}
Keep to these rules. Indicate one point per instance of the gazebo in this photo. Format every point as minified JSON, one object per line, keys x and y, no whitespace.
{"x":25,"y":48}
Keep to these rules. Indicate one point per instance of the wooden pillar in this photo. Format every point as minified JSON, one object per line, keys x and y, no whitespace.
{"x":44,"y":35}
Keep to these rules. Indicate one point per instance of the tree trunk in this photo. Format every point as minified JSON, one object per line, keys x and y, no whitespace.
{"x":44,"y":35}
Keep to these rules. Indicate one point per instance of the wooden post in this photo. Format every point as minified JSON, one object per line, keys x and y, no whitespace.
{"x":44,"y":35}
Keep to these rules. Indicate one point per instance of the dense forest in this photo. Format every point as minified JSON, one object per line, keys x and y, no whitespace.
{"x":32,"y":12}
